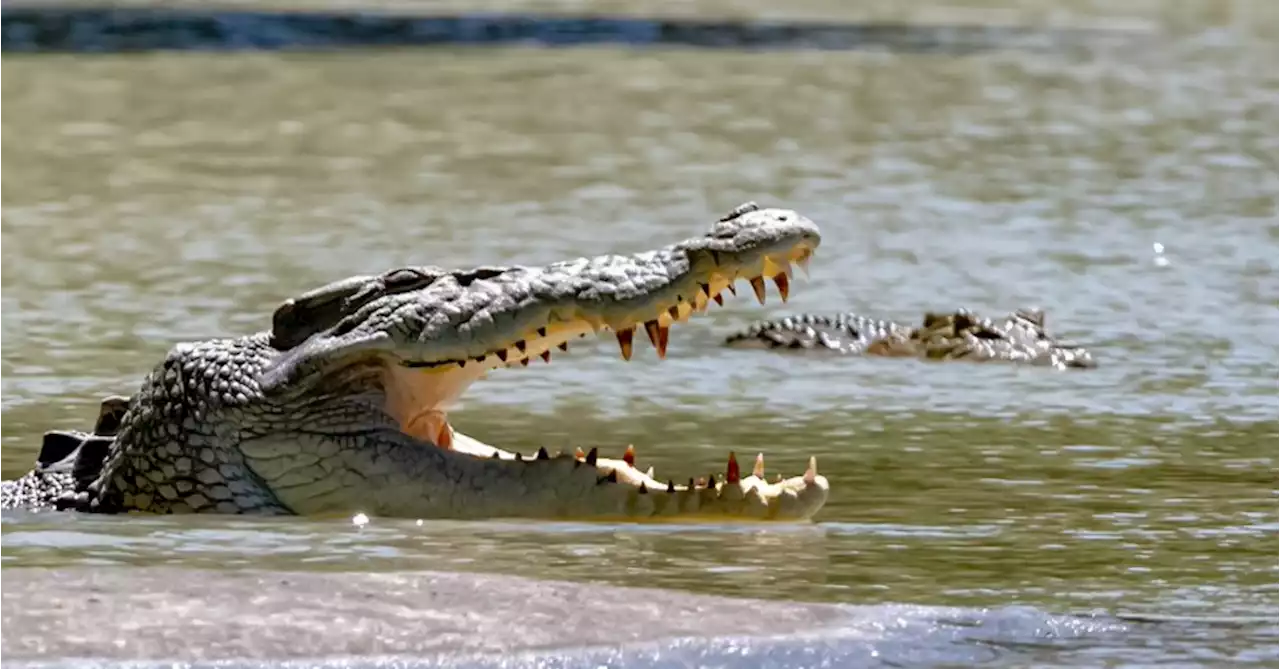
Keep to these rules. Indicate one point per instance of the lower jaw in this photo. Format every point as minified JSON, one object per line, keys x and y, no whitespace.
{"x":732,"y":498}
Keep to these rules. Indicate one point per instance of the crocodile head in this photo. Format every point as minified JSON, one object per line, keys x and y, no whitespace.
{"x":412,"y":340}
{"x":963,"y":335}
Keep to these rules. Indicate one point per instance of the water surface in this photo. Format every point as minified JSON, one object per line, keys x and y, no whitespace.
{"x":1127,"y":188}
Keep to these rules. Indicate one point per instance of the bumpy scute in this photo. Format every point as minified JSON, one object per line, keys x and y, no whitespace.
{"x":1020,"y":337}
{"x":342,"y":406}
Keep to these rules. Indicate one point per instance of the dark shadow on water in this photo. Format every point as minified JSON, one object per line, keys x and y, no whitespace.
{"x":110,"y":30}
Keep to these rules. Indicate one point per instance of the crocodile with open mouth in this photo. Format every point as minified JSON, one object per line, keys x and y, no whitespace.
{"x":341,"y":407}
{"x":1020,"y":337}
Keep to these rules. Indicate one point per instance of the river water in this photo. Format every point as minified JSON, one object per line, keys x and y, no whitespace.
{"x":1127,"y":186}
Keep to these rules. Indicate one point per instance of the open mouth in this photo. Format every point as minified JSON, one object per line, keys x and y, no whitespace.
{"x":649,"y":293}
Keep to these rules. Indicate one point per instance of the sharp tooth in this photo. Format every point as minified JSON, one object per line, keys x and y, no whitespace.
{"x":630,"y":456}
{"x":444,"y":438}
{"x":563,"y":346}
{"x":803,"y":261}
{"x":757,"y":284}
{"x":651,"y":329}
{"x":520,"y":346}
{"x":718,"y":298}
{"x":758,"y":471}
{"x":624,"y":342}
{"x":542,"y":453}
{"x":671,"y":485}
{"x":644,"y":490}
{"x":703,"y":298}
{"x":649,"y":473}
{"x":732,"y":289}
{"x":732,"y":474}
{"x":479,"y":358}
{"x":592,"y":455}
{"x":783,"y":284}
{"x":674,"y":312}
{"x":542,"y":332}
{"x":502,"y":355}
{"x":577,"y":452}
{"x":546,"y":356}
{"x":812,"y":472}
{"x":657,"y":335}
{"x":524,"y":362}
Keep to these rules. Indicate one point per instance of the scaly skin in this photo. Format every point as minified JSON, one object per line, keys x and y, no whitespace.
{"x":1019,"y":338}
{"x":342,"y":407}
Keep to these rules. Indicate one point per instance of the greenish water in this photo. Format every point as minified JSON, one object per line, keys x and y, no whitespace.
{"x":166,"y":197}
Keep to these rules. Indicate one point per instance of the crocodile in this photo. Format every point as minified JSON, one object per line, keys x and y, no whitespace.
{"x":342,"y":406}
{"x":1019,"y":337}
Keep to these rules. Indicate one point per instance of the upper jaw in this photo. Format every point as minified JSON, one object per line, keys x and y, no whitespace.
{"x":525,"y":312}
{"x":502,"y":316}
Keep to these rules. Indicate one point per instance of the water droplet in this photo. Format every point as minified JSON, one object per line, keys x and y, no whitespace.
{"x":359,"y":520}
{"x":1157,"y":247}
{"x":419,"y":522}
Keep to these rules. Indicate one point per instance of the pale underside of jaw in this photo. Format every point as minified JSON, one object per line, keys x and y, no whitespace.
{"x":419,"y":395}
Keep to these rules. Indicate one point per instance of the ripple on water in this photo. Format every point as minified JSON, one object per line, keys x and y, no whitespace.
{"x":996,"y":180}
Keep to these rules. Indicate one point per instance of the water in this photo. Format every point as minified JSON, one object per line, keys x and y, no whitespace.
{"x":1127,"y":186}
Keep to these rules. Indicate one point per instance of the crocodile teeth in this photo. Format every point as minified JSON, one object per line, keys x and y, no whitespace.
{"x":649,"y":473}
{"x":591,"y":456}
{"x":803,"y":261}
{"x":624,"y":342}
{"x":758,"y":470}
{"x":563,"y":346}
{"x":545,"y":355}
{"x":524,"y":362}
{"x":811,"y":472}
{"x":577,"y":453}
{"x":783,"y":284}
{"x":733,"y":290}
{"x":444,"y":438}
{"x":630,"y":456}
{"x":757,"y":284}
{"x":658,"y":336}
{"x":718,"y":298}
{"x":732,"y":473}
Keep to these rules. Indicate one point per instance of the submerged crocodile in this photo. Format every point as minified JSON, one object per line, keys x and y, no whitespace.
{"x":341,"y":407}
{"x":1019,"y":337}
